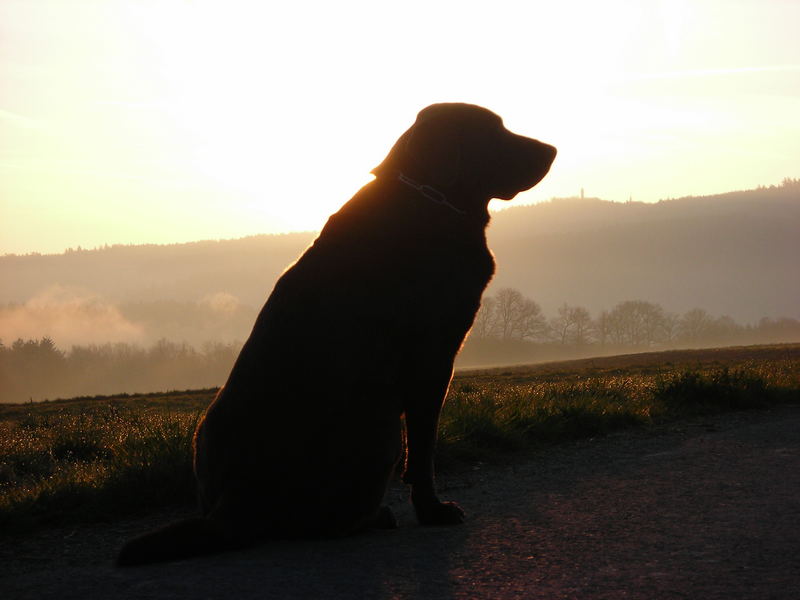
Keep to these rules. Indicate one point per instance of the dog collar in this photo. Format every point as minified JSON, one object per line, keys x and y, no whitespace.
{"x":431,"y":193}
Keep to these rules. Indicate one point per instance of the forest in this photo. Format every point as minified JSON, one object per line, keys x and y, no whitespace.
{"x":511,"y":328}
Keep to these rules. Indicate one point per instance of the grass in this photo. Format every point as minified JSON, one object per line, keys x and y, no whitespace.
{"x":95,"y":459}
{"x":90,"y":459}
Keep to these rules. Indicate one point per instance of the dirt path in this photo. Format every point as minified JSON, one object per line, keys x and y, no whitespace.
{"x":709,"y":509}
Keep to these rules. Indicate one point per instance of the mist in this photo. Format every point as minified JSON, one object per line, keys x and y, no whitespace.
{"x":693,"y":272}
{"x":70,"y":315}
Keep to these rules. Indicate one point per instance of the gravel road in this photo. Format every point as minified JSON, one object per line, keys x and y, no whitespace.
{"x":706,"y":509}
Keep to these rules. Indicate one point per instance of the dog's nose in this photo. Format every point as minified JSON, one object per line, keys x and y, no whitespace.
{"x":547,"y":154}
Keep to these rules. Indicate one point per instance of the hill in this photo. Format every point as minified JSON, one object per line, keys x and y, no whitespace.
{"x":733,"y":254}
{"x":245,"y":268}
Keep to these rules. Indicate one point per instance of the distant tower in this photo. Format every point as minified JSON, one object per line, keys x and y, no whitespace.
{"x":581,"y":193}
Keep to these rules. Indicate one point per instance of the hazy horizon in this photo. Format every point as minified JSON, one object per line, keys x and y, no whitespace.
{"x":732,"y":254}
{"x":121,"y":124}
{"x":495,"y":210}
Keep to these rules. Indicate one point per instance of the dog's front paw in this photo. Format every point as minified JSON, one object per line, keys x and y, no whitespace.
{"x":439,"y":513}
{"x":385,"y":519}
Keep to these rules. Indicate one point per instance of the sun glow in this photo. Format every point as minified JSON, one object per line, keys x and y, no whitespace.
{"x":130,"y":121}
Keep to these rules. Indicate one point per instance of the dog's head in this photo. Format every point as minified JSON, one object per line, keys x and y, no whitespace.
{"x":464,"y":150}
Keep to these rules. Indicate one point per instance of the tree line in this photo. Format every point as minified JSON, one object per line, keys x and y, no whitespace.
{"x":509,"y":328}
{"x":32,"y":370}
{"x":632,"y":324}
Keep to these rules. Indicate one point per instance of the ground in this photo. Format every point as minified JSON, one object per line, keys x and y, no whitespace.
{"x":707,"y":508}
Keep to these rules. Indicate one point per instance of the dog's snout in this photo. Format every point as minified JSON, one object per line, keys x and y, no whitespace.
{"x":534,"y":161}
{"x":543,"y":155}
{"x":543,"y":151}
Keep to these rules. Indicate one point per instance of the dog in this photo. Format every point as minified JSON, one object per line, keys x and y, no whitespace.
{"x":361,"y":331}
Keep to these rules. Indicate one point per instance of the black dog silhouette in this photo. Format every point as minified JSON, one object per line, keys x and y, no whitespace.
{"x":304,"y":437}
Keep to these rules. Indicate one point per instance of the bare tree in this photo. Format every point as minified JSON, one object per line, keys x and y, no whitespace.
{"x":531,"y":322}
{"x":512,"y":316}
{"x":518,"y":317}
{"x":636,"y":323}
{"x":560,"y":324}
{"x":508,"y":301}
{"x":694,"y":325}
{"x":602,"y":328}
{"x":582,"y":325}
{"x":573,"y":324}
{"x":485,"y":325}
{"x":723,"y":330}
{"x":670,"y":327}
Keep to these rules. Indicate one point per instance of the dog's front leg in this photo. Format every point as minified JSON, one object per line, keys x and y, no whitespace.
{"x":422,"y":407}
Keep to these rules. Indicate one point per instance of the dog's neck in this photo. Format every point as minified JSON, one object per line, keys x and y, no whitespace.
{"x":430,"y":192}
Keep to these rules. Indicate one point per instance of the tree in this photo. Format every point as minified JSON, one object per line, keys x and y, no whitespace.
{"x":508,"y":315}
{"x":602,"y":328}
{"x":694,"y":325}
{"x":670,"y":327}
{"x":572,"y":325}
{"x":723,"y":330}
{"x":485,"y":325}
{"x":517,"y":317}
{"x":789,"y":182}
{"x":582,"y":326}
{"x":35,"y":366}
{"x":560,"y":324}
{"x":636,"y":323}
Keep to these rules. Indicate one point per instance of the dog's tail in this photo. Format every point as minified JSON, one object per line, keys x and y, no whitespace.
{"x":183,"y":539}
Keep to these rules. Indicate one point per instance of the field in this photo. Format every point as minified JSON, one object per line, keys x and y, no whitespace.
{"x":90,"y":459}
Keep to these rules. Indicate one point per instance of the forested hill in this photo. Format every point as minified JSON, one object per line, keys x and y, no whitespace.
{"x":734,"y":254}
{"x":246,"y":268}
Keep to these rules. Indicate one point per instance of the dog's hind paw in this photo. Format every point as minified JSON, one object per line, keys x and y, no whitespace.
{"x":439,"y":513}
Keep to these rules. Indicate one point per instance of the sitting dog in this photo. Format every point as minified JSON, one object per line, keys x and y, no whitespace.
{"x":362,"y":330}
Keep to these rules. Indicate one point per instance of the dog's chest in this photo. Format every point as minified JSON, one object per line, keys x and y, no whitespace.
{"x":470,"y":266}
{"x":454,"y":282}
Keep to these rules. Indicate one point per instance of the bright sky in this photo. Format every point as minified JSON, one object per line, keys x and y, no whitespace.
{"x":159,"y":121}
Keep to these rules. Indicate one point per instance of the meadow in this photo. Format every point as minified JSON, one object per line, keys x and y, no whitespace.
{"x":102,"y":458}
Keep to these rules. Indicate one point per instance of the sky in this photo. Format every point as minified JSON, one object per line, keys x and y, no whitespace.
{"x":168,"y":121}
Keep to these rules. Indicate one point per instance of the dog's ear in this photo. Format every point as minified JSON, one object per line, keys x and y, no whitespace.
{"x":433,"y":145}
{"x":428,"y":152}
{"x":395,"y":160}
